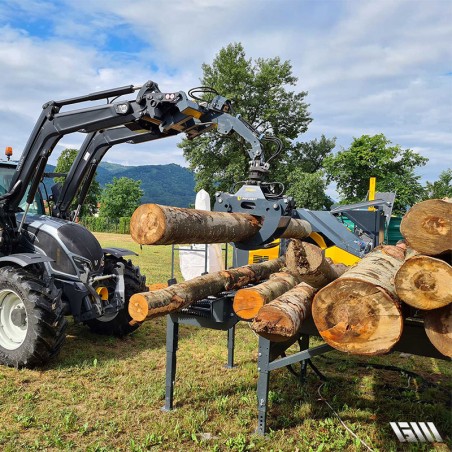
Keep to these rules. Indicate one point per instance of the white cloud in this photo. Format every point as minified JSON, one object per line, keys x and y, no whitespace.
{"x":369,"y":67}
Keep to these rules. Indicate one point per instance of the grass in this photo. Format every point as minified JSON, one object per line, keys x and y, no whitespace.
{"x":106,"y":394}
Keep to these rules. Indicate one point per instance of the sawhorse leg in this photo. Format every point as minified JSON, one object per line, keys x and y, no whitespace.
{"x":172,"y":337}
{"x":304,"y":345}
{"x":231,"y":344}
{"x":263,"y":359}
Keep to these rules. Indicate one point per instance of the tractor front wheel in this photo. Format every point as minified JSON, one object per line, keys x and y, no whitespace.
{"x":32,"y":324}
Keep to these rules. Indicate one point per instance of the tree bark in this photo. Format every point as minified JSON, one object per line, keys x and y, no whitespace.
{"x":438,"y":326}
{"x":281,"y":319}
{"x":147,"y":305}
{"x":297,"y":229}
{"x":153,"y":224}
{"x":424,"y":282}
{"x":359,"y":312}
{"x":308,"y":261}
{"x":427,"y":226}
{"x":247,"y":302}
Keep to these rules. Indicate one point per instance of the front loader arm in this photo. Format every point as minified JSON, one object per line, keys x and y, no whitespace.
{"x":159,"y":114}
{"x":203,"y":118}
{"x":83,"y":170}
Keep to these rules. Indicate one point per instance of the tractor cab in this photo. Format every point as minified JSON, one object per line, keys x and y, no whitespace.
{"x":7,"y":170}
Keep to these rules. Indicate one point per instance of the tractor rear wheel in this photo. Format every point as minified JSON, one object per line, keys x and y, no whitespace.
{"x":32,"y":324}
{"x":117,"y":324}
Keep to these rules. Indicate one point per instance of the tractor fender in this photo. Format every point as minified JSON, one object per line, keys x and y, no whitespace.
{"x":118,"y":252}
{"x":24,"y":259}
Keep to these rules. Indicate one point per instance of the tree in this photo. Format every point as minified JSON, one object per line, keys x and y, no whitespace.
{"x":259,"y":93}
{"x":120,"y":198}
{"x":308,"y":189}
{"x":374,"y":156}
{"x":64,"y":163}
{"x":303,"y":175}
{"x":308,"y":157}
{"x":442,"y":188}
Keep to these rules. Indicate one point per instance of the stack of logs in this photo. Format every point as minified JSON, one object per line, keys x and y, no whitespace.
{"x":424,"y":281}
{"x":359,"y":310}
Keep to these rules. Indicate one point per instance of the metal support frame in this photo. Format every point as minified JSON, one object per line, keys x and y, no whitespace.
{"x":412,"y":341}
{"x":265,"y":366}
{"x":172,"y":339}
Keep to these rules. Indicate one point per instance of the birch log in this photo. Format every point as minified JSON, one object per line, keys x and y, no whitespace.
{"x":424,"y":282}
{"x":281,"y":319}
{"x":153,"y":224}
{"x":438,"y":326}
{"x":359,"y":312}
{"x":247,"y":302}
{"x":147,"y":305}
{"x":427,"y":226}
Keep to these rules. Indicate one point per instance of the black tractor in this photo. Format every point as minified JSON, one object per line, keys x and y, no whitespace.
{"x":58,"y":268}
{"x":50,"y":266}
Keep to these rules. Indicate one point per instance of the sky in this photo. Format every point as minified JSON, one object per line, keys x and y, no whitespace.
{"x":368,"y":66}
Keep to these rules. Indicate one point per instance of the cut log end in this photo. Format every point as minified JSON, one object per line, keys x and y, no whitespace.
{"x":438,"y":326}
{"x":357,"y":317}
{"x":147,"y":224}
{"x":138,"y":307}
{"x":424,"y":282}
{"x":303,"y":257}
{"x":273,"y":324}
{"x":282,"y":318}
{"x":427,"y":226}
{"x":247,"y":303}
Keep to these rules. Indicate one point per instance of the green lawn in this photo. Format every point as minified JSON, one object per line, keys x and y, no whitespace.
{"x":105,"y":394}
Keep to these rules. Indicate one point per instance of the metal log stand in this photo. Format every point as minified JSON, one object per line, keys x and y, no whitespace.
{"x":213,"y":312}
{"x":217,"y":313}
{"x":265,"y":365}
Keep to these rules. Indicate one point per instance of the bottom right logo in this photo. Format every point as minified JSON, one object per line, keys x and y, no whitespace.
{"x":416,"y":432}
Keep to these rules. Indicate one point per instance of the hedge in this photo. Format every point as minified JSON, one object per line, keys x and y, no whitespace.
{"x":119,"y":225}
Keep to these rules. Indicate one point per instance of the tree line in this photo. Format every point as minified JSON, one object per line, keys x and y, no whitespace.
{"x":262,"y":92}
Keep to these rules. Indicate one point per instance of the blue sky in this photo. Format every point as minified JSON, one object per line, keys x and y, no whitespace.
{"x":369,"y":66}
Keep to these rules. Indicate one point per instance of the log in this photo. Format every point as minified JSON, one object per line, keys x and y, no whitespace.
{"x":297,"y":229}
{"x":309,"y":262}
{"x":359,"y":312}
{"x":427,"y":226}
{"x":247,"y":302}
{"x":438,"y":326}
{"x":147,"y":305}
{"x":281,"y":319}
{"x":153,"y":224}
{"x":424,"y":282}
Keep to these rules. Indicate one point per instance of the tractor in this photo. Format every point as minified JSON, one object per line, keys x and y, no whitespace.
{"x":50,"y":266}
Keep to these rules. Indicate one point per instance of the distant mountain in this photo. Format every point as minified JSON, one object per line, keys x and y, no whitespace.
{"x":171,"y":184}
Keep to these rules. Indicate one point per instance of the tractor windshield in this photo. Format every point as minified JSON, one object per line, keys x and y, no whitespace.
{"x":6,"y":176}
